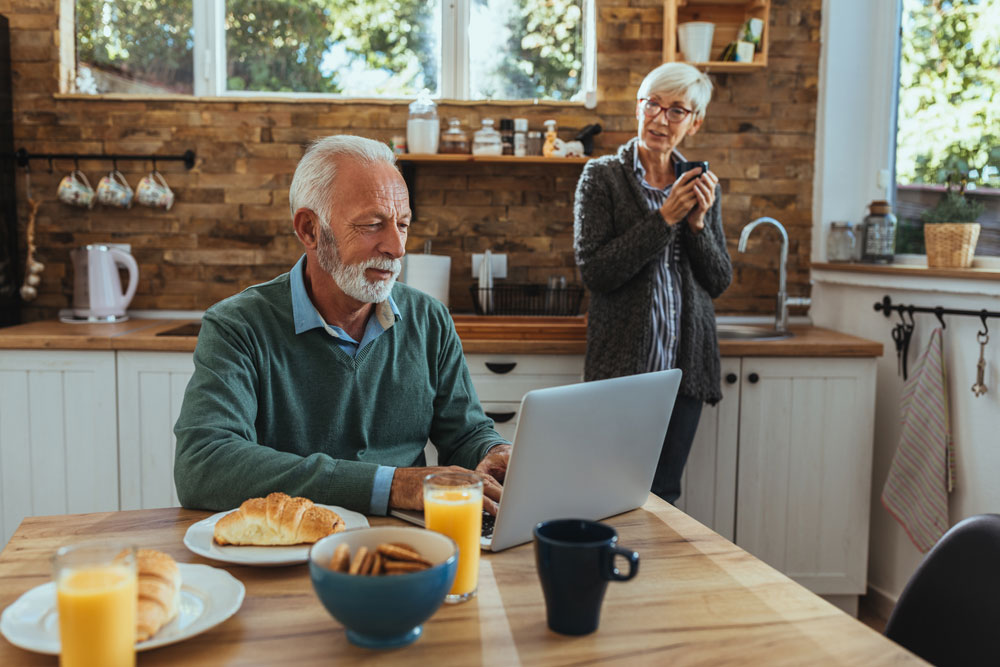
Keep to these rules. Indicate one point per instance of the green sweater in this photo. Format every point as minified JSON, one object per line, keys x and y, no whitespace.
{"x":268,"y":410}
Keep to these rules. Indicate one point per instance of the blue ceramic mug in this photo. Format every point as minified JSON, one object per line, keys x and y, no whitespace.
{"x":576,"y":560}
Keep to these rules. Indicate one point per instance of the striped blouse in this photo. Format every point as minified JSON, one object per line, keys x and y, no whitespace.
{"x":666,"y":311}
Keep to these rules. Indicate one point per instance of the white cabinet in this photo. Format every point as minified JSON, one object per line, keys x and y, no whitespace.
{"x":150,"y":391}
{"x":805,"y":456}
{"x":782,"y":466}
{"x":708,"y":487}
{"x":58,"y":434}
{"x":502,"y":380}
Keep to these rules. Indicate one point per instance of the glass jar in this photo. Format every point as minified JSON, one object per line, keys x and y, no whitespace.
{"x":533,"y":139}
{"x":841,"y":242}
{"x":520,"y":137}
{"x":454,"y":140}
{"x":486,"y":141}
{"x":879,"y":234}
{"x":422,"y":126}
{"x":507,"y":135}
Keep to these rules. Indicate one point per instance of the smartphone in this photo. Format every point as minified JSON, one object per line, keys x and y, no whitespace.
{"x":681,"y":167}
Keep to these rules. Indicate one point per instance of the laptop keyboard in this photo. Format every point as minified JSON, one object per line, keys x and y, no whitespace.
{"x":488,"y":521}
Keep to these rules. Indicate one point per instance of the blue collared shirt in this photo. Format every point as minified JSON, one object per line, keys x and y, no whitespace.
{"x":306,"y":318}
{"x":666,"y":310}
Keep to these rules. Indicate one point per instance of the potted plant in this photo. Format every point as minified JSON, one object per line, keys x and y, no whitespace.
{"x":950,"y":228}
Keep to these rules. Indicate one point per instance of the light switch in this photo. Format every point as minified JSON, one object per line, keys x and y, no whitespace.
{"x":499,"y":264}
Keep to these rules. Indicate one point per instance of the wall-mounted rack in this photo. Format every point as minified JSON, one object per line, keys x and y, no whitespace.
{"x":22,"y":156}
{"x":887,"y":307}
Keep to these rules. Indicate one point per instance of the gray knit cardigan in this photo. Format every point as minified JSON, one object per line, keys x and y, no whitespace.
{"x":617,"y":241}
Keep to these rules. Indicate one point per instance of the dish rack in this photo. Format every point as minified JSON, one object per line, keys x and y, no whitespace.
{"x":526,"y":299}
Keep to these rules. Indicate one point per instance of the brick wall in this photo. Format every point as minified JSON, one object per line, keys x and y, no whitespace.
{"x":230,"y":226}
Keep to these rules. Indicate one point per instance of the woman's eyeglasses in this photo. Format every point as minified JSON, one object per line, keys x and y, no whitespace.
{"x":651,"y":109}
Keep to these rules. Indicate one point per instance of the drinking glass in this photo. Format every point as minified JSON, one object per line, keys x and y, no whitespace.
{"x":97,"y":599}
{"x":453,"y":505}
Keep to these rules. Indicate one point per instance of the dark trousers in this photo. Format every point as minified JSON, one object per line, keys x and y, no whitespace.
{"x":676,"y":446}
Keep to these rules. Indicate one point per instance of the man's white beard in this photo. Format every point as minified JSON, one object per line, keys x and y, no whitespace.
{"x":351,"y":277}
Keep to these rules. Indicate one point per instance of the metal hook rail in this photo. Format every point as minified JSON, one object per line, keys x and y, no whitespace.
{"x":23,"y":157}
{"x":887,"y":307}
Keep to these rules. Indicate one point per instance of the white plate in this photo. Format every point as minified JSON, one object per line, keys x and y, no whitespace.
{"x":199,"y":538}
{"x":208,"y":597}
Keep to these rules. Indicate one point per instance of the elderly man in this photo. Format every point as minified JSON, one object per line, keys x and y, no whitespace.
{"x":327,"y":381}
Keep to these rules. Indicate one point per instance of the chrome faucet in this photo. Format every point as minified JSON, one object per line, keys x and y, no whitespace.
{"x":783,"y":301}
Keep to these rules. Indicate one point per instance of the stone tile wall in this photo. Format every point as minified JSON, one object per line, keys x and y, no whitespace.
{"x":230,"y":226}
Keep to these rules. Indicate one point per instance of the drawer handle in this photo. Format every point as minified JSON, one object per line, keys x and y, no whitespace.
{"x":500,"y":417}
{"x":753,"y":377}
{"x":500,"y":368}
{"x":731,"y":378}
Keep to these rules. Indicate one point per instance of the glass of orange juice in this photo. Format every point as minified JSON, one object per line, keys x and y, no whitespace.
{"x":453,"y":505}
{"x":97,"y":599}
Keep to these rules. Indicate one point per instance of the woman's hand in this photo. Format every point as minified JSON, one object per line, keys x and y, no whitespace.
{"x":692,"y":195}
{"x":704,"y":192}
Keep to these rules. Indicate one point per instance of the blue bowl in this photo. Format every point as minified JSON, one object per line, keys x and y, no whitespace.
{"x":389,"y":610}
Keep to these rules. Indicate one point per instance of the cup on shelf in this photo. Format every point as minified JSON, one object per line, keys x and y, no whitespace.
{"x":695,"y":39}
{"x":74,"y":189}
{"x":153,"y":191}
{"x":114,"y":190}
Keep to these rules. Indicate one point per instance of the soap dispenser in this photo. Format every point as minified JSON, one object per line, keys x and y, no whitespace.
{"x":550,"y":138}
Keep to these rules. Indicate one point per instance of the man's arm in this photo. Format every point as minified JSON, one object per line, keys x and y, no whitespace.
{"x":219,"y":463}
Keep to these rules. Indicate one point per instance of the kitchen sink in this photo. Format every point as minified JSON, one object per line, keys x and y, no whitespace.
{"x":189,"y":329}
{"x":750,"y":332}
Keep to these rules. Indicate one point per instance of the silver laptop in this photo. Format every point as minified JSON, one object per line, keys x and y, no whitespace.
{"x":584,"y":451}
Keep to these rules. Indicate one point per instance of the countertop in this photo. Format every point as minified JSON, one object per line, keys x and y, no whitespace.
{"x":479,"y":334}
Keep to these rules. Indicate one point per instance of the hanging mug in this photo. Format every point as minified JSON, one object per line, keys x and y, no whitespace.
{"x":75,"y":190}
{"x":114,"y":190}
{"x":154,"y":191}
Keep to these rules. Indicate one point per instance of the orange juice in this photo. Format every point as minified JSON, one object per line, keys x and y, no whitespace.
{"x":458,"y":513}
{"x":97,"y":615}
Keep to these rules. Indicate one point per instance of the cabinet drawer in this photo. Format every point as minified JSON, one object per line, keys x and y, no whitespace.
{"x":501,"y":388}
{"x":525,"y":364}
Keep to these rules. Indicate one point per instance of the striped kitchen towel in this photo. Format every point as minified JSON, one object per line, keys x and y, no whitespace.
{"x":922,"y":471}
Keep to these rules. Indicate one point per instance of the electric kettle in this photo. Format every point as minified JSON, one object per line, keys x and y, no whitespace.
{"x":97,"y":289}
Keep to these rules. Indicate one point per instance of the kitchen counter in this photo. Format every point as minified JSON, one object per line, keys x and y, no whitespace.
{"x":480,"y":335}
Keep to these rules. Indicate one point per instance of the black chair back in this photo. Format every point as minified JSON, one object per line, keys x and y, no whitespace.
{"x":949,"y":612}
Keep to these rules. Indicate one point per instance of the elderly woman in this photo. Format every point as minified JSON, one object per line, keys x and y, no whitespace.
{"x":651,"y":249}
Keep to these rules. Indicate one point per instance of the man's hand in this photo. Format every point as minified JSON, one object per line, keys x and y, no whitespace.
{"x":407,"y":490}
{"x":493,"y":467}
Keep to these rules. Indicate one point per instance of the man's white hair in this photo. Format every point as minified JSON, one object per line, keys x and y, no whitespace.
{"x":312,"y":184}
{"x":679,"y":80}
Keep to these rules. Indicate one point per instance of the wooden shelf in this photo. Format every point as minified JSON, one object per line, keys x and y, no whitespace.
{"x":432,"y":158}
{"x":728,"y":16}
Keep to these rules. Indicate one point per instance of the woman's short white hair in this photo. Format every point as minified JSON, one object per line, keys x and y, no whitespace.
{"x":312,"y":184}
{"x":679,"y":80}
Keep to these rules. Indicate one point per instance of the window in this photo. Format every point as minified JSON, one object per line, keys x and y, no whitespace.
{"x":948,"y":119}
{"x":457,"y":49}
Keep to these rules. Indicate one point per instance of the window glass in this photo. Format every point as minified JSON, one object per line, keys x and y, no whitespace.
{"x":524,"y":49}
{"x":948,"y":121}
{"x":134,"y":46}
{"x":363,"y":48}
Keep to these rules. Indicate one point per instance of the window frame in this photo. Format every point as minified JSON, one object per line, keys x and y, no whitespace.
{"x":210,"y":59}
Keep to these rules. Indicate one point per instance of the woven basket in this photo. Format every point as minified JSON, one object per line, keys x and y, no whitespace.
{"x":951,"y":244}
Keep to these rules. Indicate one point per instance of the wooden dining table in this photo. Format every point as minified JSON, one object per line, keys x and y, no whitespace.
{"x":698,"y":599}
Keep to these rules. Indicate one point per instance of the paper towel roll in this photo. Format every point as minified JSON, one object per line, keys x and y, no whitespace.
{"x":430,"y":274}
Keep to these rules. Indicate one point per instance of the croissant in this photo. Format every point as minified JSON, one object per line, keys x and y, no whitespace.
{"x":277,"y":520}
{"x":159,"y":592}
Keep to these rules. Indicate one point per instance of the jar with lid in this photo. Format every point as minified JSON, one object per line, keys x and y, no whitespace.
{"x":422,"y":126}
{"x":841,"y":242}
{"x":486,"y":141}
{"x":879,"y":244}
{"x":520,"y":137}
{"x":533,"y":141}
{"x":454,"y":140}
{"x":507,"y":135}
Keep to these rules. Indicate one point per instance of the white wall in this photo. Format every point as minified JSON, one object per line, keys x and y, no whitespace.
{"x":975,"y":422}
{"x":854,"y":144}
